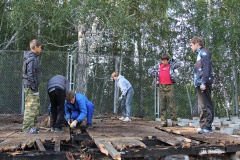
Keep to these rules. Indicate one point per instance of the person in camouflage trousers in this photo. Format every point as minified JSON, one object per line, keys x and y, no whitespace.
{"x":167,"y":99}
{"x":31,"y":112}
{"x":31,"y":81}
{"x":166,"y":92}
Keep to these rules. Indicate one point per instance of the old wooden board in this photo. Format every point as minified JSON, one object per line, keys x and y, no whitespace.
{"x":40,"y":145}
{"x":12,"y":141}
{"x":170,"y":150}
{"x":57,"y":145}
{"x":11,"y":144}
{"x":137,"y":129}
{"x":43,"y":136}
{"x":129,"y":138}
{"x":5,"y":134}
{"x":120,"y":143}
{"x":213,"y":138}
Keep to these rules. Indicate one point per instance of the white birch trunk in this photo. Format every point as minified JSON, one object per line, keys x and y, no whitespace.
{"x":96,"y":37}
{"x":81,"y":67}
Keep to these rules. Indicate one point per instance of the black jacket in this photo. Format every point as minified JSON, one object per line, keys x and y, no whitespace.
{"x":31,"y":71}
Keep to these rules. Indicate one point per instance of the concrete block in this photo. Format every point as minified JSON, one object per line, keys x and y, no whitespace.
{"x":169,"y":122}
{"x":183,"y":120}
{"x":193,"y":121}
{"x":194,"y":124}
{"x":217,"y":120}
{"x":224,"y":118}
{"x":218,"y":124}
{"x":234,"y":118}
{"x":196,"y":118}
{"x":234,"y":126}
{"x":226,"y":122}
{"x":213,"y":128}
{"x":183,"y":124}
{"x":227,"y":130}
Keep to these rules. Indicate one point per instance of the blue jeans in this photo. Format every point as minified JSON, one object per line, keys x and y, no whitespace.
{"x":126,"y":103}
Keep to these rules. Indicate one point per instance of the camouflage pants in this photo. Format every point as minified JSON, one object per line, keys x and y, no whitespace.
{"x":31,"y":111}
{"x":167,"y":99}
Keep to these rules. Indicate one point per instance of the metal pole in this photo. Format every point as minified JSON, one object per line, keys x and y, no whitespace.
{"x":22,"y":109}
{"x":115,"y":90}
{"x":70,"y":71}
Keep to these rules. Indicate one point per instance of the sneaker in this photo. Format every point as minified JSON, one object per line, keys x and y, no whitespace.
{"x":58,"y":130}
{"x":89,"y":125}
{"x":205,"y":131}
{"x":32,"y":131}
{"x":52,"y":129}
{"x":126,"y":119}
{"x":121,"y":118}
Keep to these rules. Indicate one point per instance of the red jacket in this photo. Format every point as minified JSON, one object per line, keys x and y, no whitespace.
{"x":164,"y":74}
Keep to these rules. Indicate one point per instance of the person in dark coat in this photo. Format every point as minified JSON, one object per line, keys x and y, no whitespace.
{"x":57,"y":87}
{"x":203,"y":79}
{"x":31,"y":81}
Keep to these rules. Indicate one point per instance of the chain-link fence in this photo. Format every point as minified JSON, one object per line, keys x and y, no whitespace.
{"x":101,"y":89}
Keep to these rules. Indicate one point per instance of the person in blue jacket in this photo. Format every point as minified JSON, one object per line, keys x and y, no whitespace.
{"x":78,"y":107}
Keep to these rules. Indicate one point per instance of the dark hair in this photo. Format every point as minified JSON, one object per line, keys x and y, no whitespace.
{"x":70,"y":95}
{"x":114,"y":74}
{"x":165,"y":56}
{"x":198,"y":40}
{"x":34,"y":43}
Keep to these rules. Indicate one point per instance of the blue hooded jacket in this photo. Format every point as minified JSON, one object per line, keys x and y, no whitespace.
{"x":79,"y":105}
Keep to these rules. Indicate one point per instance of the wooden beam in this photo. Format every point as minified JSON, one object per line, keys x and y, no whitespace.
{"x":121,"y":144}
{"x":40,"y":145}
{"x":113,"y":152}
{"x":107,"y":148}
{"x":57,"y":145}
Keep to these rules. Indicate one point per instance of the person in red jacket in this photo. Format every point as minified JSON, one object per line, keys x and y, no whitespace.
{"x":166,"y":92}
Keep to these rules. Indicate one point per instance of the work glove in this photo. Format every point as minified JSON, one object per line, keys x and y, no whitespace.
{"x":74,"y":124}
{"x":69,"y":122}
{"x":36,"y":93}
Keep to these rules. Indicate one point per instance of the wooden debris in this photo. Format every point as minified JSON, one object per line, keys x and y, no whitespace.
{"x":40,"y":145}
{"x":57,"y":145}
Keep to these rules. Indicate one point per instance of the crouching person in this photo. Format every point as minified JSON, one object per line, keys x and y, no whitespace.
{"x":77,"y":107}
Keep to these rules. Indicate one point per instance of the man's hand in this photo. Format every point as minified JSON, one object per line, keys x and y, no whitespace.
{"x":74,"y":124}
{"x":203,"y":87}
{"x":69,"y":122}
{"x":36,"y":93}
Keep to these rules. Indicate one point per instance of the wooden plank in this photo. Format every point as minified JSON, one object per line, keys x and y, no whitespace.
{"x":170,"y":150}
{"x":101,"y":146}
{"x":23,"y":144}
{"x":121,"y":144}
{"x":11,"y":144}
{"x":43,"y":136}
{"x":6,"y":134}
{"x":113,"y":152}
{"x":184,"y":139}
{"x":213,"y":138}
{"x":40,"y":145}
{"x":57,"y":145}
